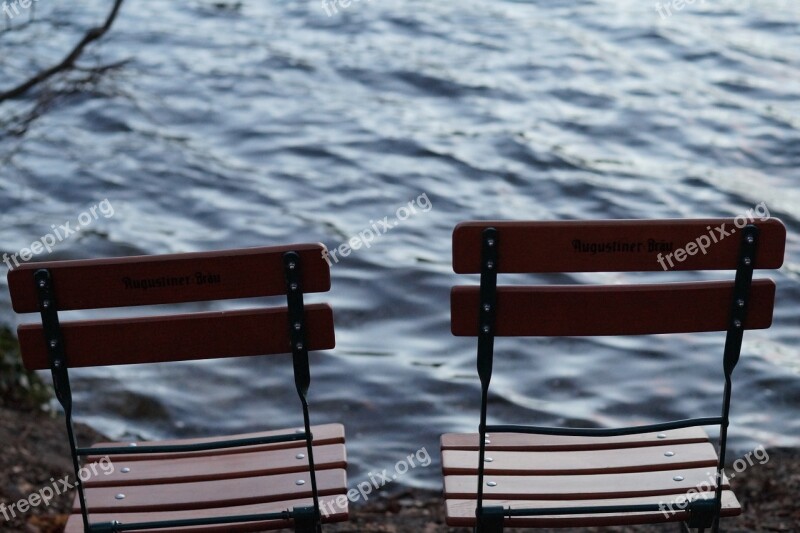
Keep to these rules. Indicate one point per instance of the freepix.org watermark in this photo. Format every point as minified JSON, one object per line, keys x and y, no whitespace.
{"x":715,"y":235}
{"x":12,"y":9}
{"x":59,"y":234}
{"x":56,"y":488}
{"x":376,"y":230}
{"x":680,"y":503}
{"x":377,"y":480}
{"x":667,"y":8}
{"x":331,"y":7}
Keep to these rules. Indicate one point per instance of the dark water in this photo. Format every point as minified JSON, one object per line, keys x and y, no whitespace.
{"x":261,"y":123}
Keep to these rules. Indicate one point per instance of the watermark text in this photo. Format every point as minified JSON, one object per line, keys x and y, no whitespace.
{"x":376,"y":230}
{"x":377,"y":480}
{"x":714,"y":235}
{"x":56,"y":488}
{"x":59,"y":234}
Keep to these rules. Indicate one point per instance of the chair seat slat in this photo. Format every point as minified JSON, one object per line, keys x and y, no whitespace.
{"x":643,"y":459}
{"x":209,"y":468}
{"x":581,"y":487}
{"x":323,"y":434}
{"x":543,"y":443}
{"x":335,"y":513}
{"x":461,"y":512}
{"x":216,"y":493}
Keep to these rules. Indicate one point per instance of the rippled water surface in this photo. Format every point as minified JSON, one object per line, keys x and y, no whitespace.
{"x":264,"y":122}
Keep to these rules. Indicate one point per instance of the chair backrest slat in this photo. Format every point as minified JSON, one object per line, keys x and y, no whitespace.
{"x":169,"y":279}
{"x":577,"y":310}
{"x":158,"y":339}
{"x":615,"y":245}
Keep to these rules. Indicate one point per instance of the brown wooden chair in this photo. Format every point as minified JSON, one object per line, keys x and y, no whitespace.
{"x":293,"y":478}
{"x":528,"y":476}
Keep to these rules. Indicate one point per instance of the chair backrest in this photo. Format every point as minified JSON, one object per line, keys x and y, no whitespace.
{"x":613,"y":246}
{"x":171,"y":279}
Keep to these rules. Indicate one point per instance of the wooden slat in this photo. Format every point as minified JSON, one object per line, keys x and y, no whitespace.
{"x":210,"y":494}
{"x":177,"y":337}
{"x":461,"y":513}
{"x":323,"y":434}
{"x":611,"y":309}
{"x":581,"y":487}
{"x":174,"y":278}
{"x":648,"y":459}
{"x":620,"y":245}
{"x":330,"y":506}
{"x":209,"y":468}
{"x":549,"y":443}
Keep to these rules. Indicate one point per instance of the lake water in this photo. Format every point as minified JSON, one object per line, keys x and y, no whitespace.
{"x":254,"y":123}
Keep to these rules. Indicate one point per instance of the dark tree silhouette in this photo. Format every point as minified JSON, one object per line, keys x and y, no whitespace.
{"x":69,"y":61}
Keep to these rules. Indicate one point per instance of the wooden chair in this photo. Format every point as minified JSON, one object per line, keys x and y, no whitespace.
{"x":528,"y":476}
{"x":262,"y":481}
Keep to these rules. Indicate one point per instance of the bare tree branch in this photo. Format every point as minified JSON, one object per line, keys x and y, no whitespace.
{"x":69,"y":61}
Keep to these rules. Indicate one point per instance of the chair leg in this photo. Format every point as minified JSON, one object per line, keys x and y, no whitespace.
{"x":306,"y":520}
{"x":702,"y":514}
{"x":491,"y":520}
{"x":684,"y":528}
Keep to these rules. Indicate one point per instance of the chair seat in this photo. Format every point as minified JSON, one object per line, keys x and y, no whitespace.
{"x":542,"y":472}
{"x":249,"y":480}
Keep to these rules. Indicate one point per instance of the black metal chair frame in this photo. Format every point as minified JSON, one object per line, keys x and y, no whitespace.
{"x":703,"y":513}
{"x":306,"y":519}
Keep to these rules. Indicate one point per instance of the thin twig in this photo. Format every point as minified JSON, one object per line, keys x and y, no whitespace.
{"x":69,"y":61}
